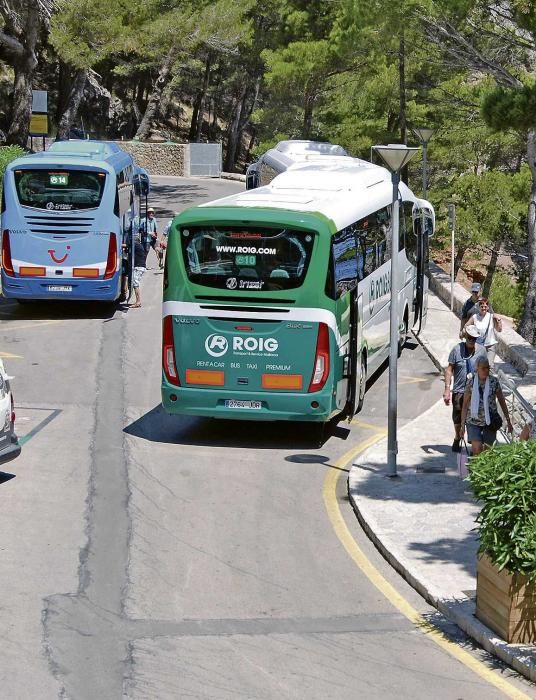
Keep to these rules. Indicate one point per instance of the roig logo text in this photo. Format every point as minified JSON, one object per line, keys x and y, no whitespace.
{"x":217,"y":345}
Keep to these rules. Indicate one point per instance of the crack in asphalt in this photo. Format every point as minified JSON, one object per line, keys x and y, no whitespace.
{"x":85,"y":633}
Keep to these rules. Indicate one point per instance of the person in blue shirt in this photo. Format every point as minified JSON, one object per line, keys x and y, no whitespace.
{"x":149,"y":229}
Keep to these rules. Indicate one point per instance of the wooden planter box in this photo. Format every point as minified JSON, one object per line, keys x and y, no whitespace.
{"x":506,"y":603}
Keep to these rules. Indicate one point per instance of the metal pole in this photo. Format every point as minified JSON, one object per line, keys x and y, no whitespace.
{"x":452,"y":267}
{"x":392,"y":445}
{"x":424,"y":166}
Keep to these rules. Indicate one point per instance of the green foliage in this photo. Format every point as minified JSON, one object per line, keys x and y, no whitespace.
{"x":504,"y":481}
{"x":505,"y":109}
{"x":507,"y":296}
{"x":7,"y":154}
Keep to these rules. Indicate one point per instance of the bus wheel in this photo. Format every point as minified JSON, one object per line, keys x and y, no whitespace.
{"x":402,"y":337}
{"x":362,"y":383}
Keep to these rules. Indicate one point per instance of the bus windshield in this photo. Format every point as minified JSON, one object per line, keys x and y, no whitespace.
{"x":60,"y":190}
{"x":238,"y":258}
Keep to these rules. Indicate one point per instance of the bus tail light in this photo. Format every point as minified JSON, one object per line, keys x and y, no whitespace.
{"x":205,"y":376}
{"x":32,"y":271}
{"x":168,"y":352}
{"x":7,"y":263}
{"x":321,"y":367}
{"x":85,"y":271}
{"x":111,"y":262}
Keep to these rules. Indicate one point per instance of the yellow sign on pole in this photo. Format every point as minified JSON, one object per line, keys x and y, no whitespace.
{"x":39,"y":125}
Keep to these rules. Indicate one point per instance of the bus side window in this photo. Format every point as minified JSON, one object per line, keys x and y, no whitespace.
{"x":345,"y":261}
{"x":266,"y":174}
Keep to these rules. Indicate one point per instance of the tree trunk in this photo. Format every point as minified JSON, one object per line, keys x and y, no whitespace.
{"x":460,"y":252}
{"x":402,"y":98}
{"x":234,"y":132}
{"x":70,"y":112}
{"x":213,"y":129}
{"x":153,"y":103}
{"x":486,"y":287}
{"x":201,"y":110}
{"x":308,"y":116}
{"x":527,"y":327}
{"x":24,"y":67}
{"x":22,"y":101}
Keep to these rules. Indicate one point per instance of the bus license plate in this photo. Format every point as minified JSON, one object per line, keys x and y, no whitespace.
{"x":233,"y":403}
{"x":59,"y":288}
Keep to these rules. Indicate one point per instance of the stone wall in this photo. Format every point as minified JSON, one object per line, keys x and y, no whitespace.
{"x":511,"y":347}
{"x":159,"y":158}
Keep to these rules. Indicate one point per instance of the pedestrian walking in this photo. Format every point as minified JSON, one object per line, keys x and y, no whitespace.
{"x":149,"y":228}
{"x":140,"y":264}
{"x":487,"y":323}
{"x":461,"y":363}
{"x":479,"y":408}
{"x":470,"y":307}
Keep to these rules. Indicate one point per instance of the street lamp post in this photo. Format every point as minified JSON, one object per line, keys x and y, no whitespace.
{"x":424,"y":134}
{"x":395,"y":156}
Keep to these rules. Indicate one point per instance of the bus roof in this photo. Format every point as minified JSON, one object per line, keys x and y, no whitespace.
{"x":77,"y":153}
{"x":340,"y":188}
{"x":100,"y":149}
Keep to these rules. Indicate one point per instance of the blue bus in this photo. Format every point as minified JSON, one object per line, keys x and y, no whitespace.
{"x":69,"y":216}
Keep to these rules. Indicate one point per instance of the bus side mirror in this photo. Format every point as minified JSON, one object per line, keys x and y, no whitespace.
{"x":252,"y":177}
{"x":141,"y":184}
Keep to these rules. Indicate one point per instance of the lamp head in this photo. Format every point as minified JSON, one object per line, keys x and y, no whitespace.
{"x":395,"y":155}
{"x":424,"y":134}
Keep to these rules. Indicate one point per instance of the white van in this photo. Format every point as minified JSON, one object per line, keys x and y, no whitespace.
{"x":9,"y":444}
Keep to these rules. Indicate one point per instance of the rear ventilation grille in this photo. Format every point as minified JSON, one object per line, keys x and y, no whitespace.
{"x":60,"y":224}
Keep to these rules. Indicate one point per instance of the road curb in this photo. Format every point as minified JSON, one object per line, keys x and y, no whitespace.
{"x":521,"y":658}
{"x":233,"y":176}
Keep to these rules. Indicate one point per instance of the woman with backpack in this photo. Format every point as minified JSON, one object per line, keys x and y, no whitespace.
{"x":487,"y":323}
{"x":479,"y":409}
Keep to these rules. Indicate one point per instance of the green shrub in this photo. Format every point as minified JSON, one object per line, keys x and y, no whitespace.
{"x":507,"y":297}
{"x":504,"y":481}
{"x":7,"y":154}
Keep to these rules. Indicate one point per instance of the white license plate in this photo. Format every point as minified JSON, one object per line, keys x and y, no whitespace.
{"x":60,"y":288}
{"x":232,"y":403}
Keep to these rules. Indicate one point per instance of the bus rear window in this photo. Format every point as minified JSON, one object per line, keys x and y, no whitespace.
{"x":59,"y":190}
{"x":246,"y":259}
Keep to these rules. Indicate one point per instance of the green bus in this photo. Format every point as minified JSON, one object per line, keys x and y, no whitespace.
{"x":276,"y":300}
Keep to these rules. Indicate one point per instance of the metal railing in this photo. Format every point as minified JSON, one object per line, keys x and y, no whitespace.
{"x":520,"y":410}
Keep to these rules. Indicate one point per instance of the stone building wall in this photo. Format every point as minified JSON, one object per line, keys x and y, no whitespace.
{"x":159,"y":158}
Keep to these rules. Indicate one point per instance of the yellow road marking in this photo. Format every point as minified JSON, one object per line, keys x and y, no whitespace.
{"x":375,"y":577}
{"x":9,"y":356}
{"x":412,"y":380}
{"x":33,"y":324}
{"x":369,"y":426}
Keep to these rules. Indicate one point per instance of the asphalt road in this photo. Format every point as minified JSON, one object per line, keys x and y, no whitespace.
{"x":144,"y":556}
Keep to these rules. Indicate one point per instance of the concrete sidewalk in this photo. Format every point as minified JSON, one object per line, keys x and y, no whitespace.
{"x":423,"y":521}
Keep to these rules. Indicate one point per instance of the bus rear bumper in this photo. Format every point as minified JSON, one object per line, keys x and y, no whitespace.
{"x":49,"y":288}
{"x":274,"y":406}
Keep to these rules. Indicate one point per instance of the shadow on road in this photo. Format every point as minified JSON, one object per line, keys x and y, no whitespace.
{"x":158,"y":426}
{"x":6,"y":476}
{"x":54,"y":310}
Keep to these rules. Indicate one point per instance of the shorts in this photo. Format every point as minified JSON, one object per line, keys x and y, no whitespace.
{"x":457,"y":401}
{"x":481,"y":433}
{"x":136,"y":276}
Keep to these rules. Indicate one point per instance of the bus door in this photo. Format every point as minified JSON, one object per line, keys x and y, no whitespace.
{"x":356,"y":370}
{"x":423,"y":227}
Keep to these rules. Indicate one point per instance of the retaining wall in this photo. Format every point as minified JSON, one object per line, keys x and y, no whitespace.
{"x":160,"y":158}
{"x":511,"y":346}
